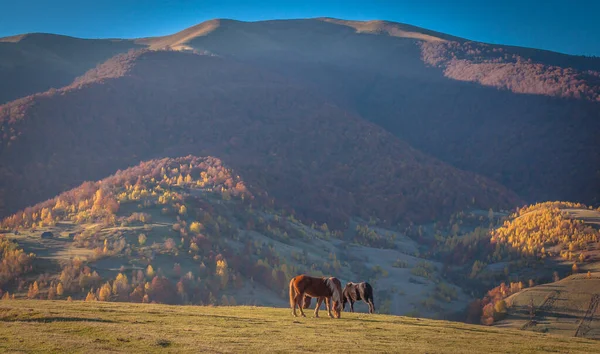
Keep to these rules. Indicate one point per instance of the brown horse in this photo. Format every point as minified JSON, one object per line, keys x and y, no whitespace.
{"x":358,"y":291}
{"x":328,"y":289}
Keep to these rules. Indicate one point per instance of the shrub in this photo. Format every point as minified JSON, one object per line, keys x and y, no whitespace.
{"x":400,"y":264}
{"x":423,"y":269}
{"x":142,"y":239}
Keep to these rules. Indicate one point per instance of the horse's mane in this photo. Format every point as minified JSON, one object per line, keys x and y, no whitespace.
{"x":334,"y":289}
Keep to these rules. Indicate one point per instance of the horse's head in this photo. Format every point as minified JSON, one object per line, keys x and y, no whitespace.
{"x":337,"y":309}
{"x":337,"y":296}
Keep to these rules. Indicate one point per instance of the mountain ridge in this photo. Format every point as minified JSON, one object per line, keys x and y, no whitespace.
{"x":472,"y":105}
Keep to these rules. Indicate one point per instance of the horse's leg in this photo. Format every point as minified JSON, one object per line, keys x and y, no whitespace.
{"x":293,"y":298}
{"x":300,"y":306}
{"x":371,"y":305}
{"x":351,"y":305}
{"x":329,"y":305}
{"x":319,"y":302}
{"x":297,"y":301}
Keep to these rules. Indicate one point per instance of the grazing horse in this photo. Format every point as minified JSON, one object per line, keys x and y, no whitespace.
{"x":328,"y":289}
{"x":359,"y":291}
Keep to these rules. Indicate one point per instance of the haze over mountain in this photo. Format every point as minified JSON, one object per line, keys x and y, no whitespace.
{"x":522,"y":117}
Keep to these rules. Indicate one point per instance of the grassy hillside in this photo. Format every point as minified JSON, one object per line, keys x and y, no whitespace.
{"x":567,"y":307}
{"x":81,"y":327}
{"x":538,"y":244}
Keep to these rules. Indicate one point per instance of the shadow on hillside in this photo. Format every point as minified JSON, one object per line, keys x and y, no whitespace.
{"x":55,"y":319}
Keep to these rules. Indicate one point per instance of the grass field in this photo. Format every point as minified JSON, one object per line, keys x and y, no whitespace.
{"x":59,"y":326}
{"x":560,"y":307}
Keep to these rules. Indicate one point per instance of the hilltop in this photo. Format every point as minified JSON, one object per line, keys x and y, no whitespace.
{"x":79,"y":326}
{"x":36,"y":62}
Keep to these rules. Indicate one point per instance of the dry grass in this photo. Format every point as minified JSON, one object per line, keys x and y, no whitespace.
{"x":59,"y":326}
{"x":560,"y":306}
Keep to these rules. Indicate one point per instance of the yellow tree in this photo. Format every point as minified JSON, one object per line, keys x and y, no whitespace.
{"x":121,"y":286}
{"x":196,"y":227}
{"x":183,"y":210}
{"x":33,"y":290}
{"x":150,"y":271}
{"x":222,"y":272}
{"x":142,"y":239}
{"x":91,"y":296}
{"x":59,"y":289}
{"x":104,"y":294}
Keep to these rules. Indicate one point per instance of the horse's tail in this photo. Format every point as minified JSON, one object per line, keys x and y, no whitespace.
{"x":369,"y":293}
{"x":369,"y":289}
{"x":292,"y":293}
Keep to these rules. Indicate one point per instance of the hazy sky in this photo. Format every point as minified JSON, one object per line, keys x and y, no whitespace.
{"x":565,"y":26}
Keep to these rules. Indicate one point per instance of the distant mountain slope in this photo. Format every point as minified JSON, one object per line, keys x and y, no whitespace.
{"x":308,"y":153}
{"x":35,"y":62}
{"x":525,"y":118}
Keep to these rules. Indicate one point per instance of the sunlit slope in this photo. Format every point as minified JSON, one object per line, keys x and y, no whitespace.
{"x":32,"y":326}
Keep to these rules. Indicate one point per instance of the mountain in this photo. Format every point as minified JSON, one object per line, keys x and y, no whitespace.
{"x":309,"y":154}
{"x":522,"y":117}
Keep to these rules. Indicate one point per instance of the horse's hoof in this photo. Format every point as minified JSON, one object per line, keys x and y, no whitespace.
{"x":303,"y":315}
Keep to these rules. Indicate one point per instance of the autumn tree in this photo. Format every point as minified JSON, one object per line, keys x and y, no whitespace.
{"x":91,"y":296}
{"x":150,"y":271}
{"x":33,"y":290}
{"x":222,"y":272}
{"x":52,"y":292}
{"x":104,"y":292}
{"x":59,"y":289}
{"x":196,"y":227}
{"x":163,"y":291}
{"x":120,"y":287}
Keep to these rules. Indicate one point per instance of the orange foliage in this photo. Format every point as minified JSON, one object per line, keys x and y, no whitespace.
{"x":537,"y":227}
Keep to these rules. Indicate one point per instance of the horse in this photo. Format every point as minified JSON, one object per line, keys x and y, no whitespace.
{"x":328,"y":289}
{"x":358,"y":291}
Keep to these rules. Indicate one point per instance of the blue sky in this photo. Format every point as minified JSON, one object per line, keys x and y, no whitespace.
{"x":565,"y":26}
